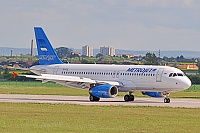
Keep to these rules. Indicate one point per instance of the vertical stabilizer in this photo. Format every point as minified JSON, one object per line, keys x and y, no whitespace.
{"x":46,"y":53}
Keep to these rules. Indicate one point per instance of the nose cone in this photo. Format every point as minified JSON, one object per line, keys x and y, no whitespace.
{"x":187,"y":83}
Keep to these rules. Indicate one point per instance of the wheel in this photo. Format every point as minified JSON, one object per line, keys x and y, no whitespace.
{"x":131,"y":98}
{"x":126,"y":98}
{"x":166,"y":100}
{"x":93,"y":98}
{"x":96,"y":99}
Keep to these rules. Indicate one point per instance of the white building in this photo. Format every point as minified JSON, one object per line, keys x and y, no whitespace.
{"x":87,"y":51}
{"x":107,"y":51}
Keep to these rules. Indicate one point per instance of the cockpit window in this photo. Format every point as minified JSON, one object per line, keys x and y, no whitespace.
{"x":176,"y":74}
{"x":180,"y":74}
{"x":170,"y":75}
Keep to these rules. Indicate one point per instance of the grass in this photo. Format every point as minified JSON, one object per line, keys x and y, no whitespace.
{"x":192,"y":92}
{"x":38,"y":88}
{"x":27,"y":117}
{"x":18,"y":117}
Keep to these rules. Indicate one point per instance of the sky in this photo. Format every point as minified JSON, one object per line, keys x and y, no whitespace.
{"x":123,"y":24}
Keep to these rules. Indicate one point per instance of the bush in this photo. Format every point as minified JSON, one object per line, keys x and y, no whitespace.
{"x":7,"y":75}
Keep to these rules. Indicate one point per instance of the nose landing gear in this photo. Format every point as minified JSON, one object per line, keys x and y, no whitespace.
{"x":166,"y":100}
{"x":166,"y":97}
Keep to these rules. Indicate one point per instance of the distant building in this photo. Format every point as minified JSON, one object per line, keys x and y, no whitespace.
{"x":137,"y":58}
{"x":107,"y":51}
{"x":188,"y":67}
{"x":87,"y":51}
{"x":15,"y":64}
{"x":76,"y":53}
{"x":126,"y":55}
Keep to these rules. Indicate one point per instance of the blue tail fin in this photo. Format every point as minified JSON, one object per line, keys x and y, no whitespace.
{"x":46,"y":53}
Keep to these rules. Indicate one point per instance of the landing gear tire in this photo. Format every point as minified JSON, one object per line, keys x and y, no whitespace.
{"x":129,"y":98}
{"x":166,"y":95}
{"x":126,"y":98}
{"x":93,"y":98}
{"x":166,"y":100}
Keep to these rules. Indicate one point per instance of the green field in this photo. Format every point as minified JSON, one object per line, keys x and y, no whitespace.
{"x":39,"y":88}
{"x":27,"y":117}
{"x":18,"y":117}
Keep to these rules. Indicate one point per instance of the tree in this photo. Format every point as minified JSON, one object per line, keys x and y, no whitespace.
{"x":74,"y":56}
{"x":198,"y":64}
{"x":165,"y":58}
{"x":151,"y":59}
{"x":99,"y":55}
{"x":1,"y":72}
{"x":63,"y":52}
{"x":6,"y":74}
{"x":180,"y":58}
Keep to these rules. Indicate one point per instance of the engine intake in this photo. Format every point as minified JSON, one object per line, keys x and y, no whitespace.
{"x":104,"y":91}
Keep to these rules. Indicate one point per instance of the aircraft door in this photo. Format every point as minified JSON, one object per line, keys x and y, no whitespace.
{"x":113,"y":75}
{"x":159,"y":75}
{"x":55,"y":70}
{"x":117,"y":74}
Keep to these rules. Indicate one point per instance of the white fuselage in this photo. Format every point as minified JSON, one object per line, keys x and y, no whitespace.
{"x":130,"y":77}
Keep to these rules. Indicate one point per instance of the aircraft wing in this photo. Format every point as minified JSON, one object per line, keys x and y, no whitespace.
{"x":66,"y":79}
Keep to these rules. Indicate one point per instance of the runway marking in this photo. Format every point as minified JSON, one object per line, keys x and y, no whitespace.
{"x":84,"y":100}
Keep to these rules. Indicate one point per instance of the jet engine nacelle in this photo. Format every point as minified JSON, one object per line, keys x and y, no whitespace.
{"x":104,"y":91}
{"x":153,"y":94}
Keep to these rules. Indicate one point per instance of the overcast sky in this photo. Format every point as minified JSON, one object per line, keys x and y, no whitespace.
{"x":122,"y":24}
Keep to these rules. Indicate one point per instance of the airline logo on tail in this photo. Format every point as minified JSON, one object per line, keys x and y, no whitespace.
{"x":47,"y":57}
{"x":42,"y":44}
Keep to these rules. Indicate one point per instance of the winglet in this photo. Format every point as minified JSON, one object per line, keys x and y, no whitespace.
{"x":15,"y":74}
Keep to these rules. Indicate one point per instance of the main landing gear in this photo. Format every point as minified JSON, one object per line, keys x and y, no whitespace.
{"x":129,"y":97}
{"x":166,"y":97}
{"x":93,"y":98}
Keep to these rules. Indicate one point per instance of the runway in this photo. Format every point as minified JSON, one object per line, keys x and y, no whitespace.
{"x":84,"y":100}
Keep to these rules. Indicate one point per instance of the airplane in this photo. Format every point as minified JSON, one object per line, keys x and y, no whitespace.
{"x":103,"y":80}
